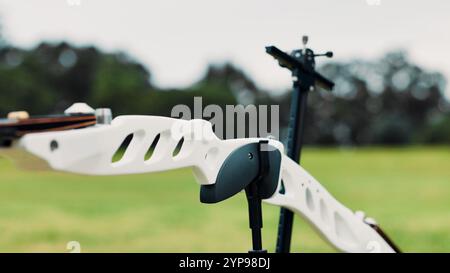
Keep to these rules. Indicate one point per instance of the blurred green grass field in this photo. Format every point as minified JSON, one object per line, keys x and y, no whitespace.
{"x":407,"y":190}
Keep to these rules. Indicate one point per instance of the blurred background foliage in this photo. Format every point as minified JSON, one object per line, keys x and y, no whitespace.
{"x":389,"y":101}
{"x":386,"y":101}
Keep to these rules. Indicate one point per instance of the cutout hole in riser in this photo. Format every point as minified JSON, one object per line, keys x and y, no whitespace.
{"x":152,"y":148}
{"x":178,"y":148}
{"x":309,"y":199}
{"x":120,"y":152}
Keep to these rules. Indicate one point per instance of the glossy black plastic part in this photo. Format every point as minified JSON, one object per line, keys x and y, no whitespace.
{"x":252,"y":162}
{"x":301,"y":65}
{"x":254,"y":168}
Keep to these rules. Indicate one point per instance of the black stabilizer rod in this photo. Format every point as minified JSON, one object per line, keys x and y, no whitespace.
{"x":294,"y":146}
{"x":254,"y":198}
{"x":255,"y":168}
{"x":255,"y":217}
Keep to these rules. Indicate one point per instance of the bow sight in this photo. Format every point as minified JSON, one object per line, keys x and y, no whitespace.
{"x":301,"y":63}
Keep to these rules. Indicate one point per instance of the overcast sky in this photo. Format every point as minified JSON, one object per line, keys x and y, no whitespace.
{"x":177,"y":39}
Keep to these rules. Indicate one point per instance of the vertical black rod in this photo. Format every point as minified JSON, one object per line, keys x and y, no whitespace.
{"x":294,"y":148}
{"x":255,"y":216}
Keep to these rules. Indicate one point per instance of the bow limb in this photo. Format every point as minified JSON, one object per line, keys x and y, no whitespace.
{"x":342,"y":228}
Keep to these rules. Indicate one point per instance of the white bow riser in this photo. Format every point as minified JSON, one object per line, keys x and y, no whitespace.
{"x":91,"y":151}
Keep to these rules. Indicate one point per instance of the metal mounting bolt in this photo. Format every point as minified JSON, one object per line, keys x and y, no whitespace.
{"x":103,"y":115}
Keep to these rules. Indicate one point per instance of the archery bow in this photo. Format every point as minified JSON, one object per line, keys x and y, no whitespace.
{"x":90,"y":151}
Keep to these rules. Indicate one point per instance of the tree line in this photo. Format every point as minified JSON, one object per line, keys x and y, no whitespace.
{"x":387,"y":101}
